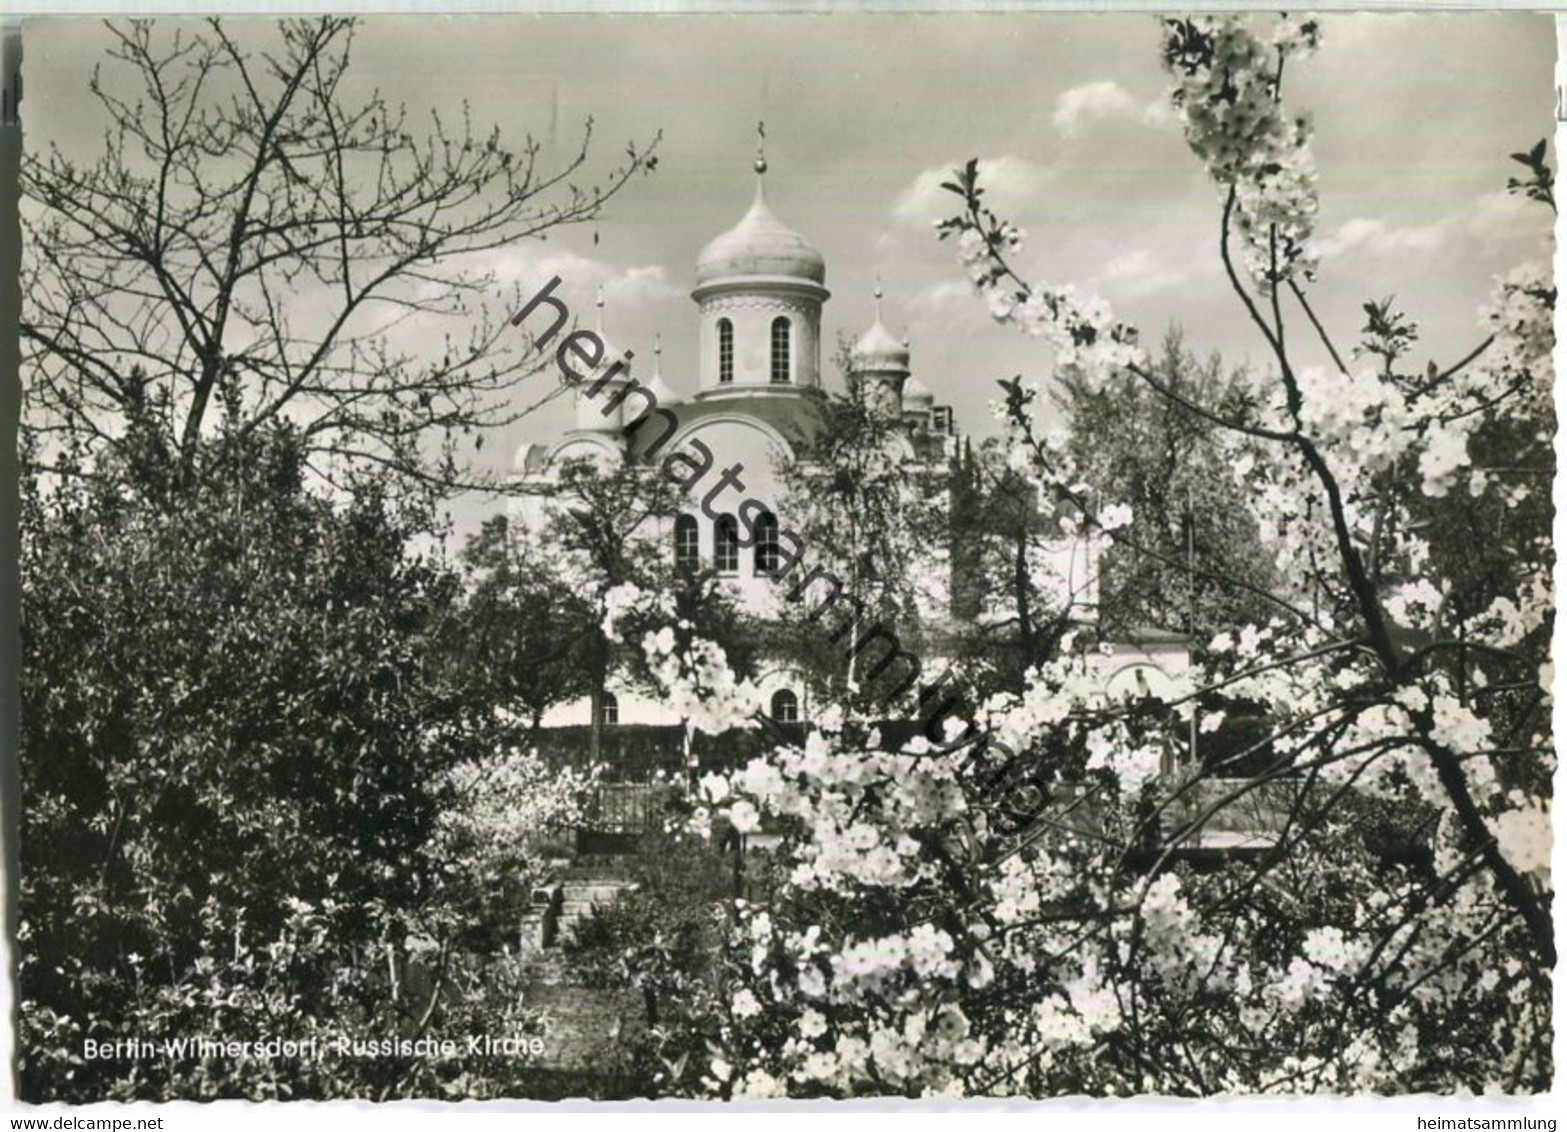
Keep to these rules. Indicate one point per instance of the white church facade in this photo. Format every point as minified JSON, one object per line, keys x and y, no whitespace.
{"x":760,"y":292}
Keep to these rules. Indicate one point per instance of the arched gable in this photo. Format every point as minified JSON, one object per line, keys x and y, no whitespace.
{"x":585,"y":446}
{"x":1124,"y":681}
{"x":707,"y":426}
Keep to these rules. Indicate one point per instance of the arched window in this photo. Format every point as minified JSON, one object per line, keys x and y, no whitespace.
{"x":688,"y":545}
{"x":609,"y":710}
{"x":786,"y":706}
{"x":766,"y":544}
{"x":780,"y":351}
{"x":726,"y":545}
{"x":726,"y":351}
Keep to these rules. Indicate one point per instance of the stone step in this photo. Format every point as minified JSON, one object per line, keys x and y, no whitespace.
{"x":595,"y":890}
{"x":577,"y":899}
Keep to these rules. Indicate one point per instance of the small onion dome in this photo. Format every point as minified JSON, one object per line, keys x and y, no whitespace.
{"x":598,"y":410}
{"x":878,"y":351}
{"x":917,"y":395}
{"x":662,"y":391}
{"x":612,"y":353}
{"x":760,"y":244}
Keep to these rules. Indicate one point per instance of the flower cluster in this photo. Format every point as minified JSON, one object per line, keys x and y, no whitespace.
{"x":504,"y":806}
{"x":1520,"y":317}
{"x":691,"y":672}
{"x":1082,"y":331}
{"x":1227,"y":86}
{"x":1014,"y":914}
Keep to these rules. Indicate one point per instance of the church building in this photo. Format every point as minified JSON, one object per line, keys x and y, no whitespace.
{"x":760,"y":292}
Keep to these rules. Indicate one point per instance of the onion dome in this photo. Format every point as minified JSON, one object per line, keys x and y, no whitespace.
{"x":612,"y":353}
{"x":878,"y":351}
{"x":598,"y":409}
{"x":917,"y":395}
{"x":661,"y":390}
{"x":760,"y":244}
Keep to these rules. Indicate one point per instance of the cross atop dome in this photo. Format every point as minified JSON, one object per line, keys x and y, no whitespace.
{"x":761,"y":244}
{"x":760,"y":289}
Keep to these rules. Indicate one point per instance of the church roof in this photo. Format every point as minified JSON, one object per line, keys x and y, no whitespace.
{"x":760,"y":244}
{"x":878,"y":350}
{"x":916,"y":392}
{"x":612,"y":353}
{"x":663,"y":393}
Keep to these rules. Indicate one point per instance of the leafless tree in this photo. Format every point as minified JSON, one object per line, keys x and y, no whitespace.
{"x":254,"y":241}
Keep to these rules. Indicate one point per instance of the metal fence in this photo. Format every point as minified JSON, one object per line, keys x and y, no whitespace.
{"x":619,"y":814}
{"x":627,"y":807}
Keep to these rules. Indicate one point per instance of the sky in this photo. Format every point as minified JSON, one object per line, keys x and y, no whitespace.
{"x":1415,"y":116}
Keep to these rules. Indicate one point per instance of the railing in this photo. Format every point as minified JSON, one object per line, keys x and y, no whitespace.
{"x":626,"y":807}
{"x":619,"y":814}
{"x":1204,"y":816}
{"x":635,"y":752}
{"x":1207,"y":818}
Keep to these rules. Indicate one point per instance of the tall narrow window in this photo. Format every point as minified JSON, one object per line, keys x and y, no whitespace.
{"x":780,"y":351}
{"x":726,"y":545}
{"x":766,"y":544}
{"x":726,"y":351}
{"x":609,"y":710}
{"x":688,"y":547}
{"x":786,"y":706}
{"x":941,"y":420}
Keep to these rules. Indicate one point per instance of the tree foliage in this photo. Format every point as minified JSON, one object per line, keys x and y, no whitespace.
{"x":1193,"y":562}
{"x":1044,"y":906}
{"x":607,"y":536}
{"x":524,"y":627}
{"x":236,"y":729}
{"x":870,"y":515}
{"x":263,"y":751}
{"x":255,"y":231}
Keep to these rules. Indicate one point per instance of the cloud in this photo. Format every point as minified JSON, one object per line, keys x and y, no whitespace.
{"x":1009,"y":181}
{"x":944,"y":308}
{"x":531,"y":266}
{"x":1376,"y":237}
{"x":1089,"y":103}
{"x":1507,"y":216}
{"x":1142,"y":272}
{"x":946,"y":297}
{"x":642,"y":284}
{"x":1493,"y":220}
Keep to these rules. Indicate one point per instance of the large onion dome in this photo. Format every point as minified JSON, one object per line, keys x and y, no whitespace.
{"x":760,"y":244}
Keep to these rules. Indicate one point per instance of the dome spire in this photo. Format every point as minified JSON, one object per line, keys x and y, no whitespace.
{"x":611,"y":351}
{"x":760,"y":244}
{"x":663,"y":393}
{"x":877,"y":350}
